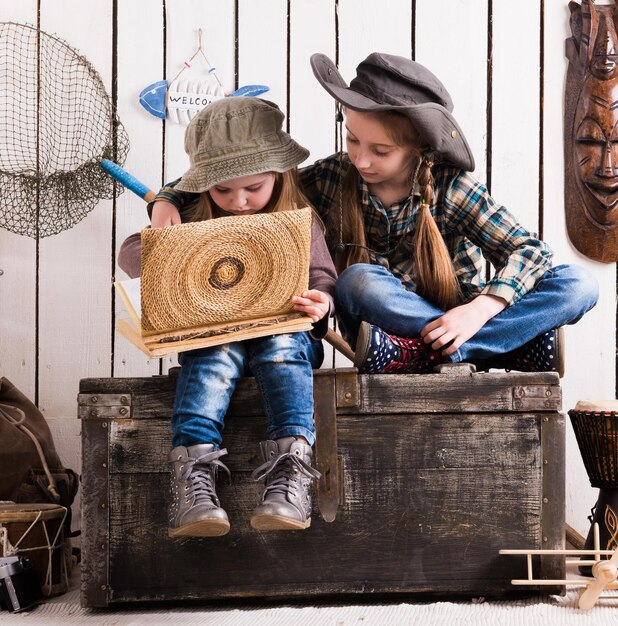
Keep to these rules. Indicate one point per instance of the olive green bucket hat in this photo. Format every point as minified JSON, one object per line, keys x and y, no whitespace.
{"x":235,"y":137}
{"x":386,"y":82}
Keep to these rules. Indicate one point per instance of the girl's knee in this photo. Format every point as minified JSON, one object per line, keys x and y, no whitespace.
{"x":228,"y":359}
{"x":581,"y":286}
{"x":352,"y":281}
{"x":359,"y":285}
{"x":587,"y":283}
{"x":210,"y":353}
{"x":285,"y":348}
{"x":280,"y":345}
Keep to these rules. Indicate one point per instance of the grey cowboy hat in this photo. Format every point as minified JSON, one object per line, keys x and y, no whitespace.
{"x":234,"y":137}
{"x":385,"y":82}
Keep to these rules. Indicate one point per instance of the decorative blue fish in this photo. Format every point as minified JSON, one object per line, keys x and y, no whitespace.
{"x":181,"y":100}
{"x":249,"y":90}
{"x":152,"y":98}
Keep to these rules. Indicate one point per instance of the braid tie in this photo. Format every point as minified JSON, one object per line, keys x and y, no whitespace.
{"x":426,"y":179}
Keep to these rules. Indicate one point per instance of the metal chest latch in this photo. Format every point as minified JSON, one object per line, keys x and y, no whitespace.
{"x":537,"y":398}
{"x":104,"y":405}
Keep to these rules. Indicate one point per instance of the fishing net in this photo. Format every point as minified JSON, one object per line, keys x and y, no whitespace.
{"x":56,"y":127}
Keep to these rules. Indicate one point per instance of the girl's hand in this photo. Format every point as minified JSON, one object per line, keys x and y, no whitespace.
{"x":164,"y":214}
{"x":312,"y":302}
{"x":456,"y":326}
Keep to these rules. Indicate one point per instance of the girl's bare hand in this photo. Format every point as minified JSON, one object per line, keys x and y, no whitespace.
{"x":164,"y":214}
{"x":458,"y":325}
{"x":313,"y":302}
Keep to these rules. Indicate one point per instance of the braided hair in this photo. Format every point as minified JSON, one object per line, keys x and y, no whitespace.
{"x":434,"y":273}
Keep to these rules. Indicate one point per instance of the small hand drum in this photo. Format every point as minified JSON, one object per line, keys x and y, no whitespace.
{"x":36,"y":531}
{"x":596,"y":430}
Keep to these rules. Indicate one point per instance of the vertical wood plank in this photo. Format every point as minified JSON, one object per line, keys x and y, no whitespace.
{"x":461,"y":67}
{"x":95,"y":543}
{"x":18,"y":279}
{"x":590,"y":350}
{"x":75,"y":265}
{"x":263,"y":47}
{"x":140,"y":63}
{"x":23,"y":12}
{"x":367,"y":26}
{"x":451,"y":41}
{"x":515,"y":105}
{"x":312,"y":110}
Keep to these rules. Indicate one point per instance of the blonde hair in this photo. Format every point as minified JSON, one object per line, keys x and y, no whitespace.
{"x":286,"y":195}
{"x":434,"y":273}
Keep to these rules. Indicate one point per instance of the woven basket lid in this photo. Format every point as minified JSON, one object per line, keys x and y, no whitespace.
{"x":227,"y":269}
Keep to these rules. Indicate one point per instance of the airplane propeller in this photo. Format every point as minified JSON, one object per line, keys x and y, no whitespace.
{"x":605,"y":573}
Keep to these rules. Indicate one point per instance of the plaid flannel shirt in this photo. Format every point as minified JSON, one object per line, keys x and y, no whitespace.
{"x":472,"y":224}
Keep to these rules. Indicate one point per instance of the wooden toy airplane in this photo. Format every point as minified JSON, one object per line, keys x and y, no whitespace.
{"x":605,"y":572}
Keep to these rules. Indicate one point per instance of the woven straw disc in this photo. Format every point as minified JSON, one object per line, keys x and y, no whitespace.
{"x":228,"y":269}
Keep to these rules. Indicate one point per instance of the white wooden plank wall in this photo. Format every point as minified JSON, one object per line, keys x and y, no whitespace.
{"x":19,"y":280}
{"x":57,"y":307}
{"x":140,"y":63}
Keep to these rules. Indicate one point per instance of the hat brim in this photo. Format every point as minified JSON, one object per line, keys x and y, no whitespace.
{"x":201,"y":178}
{"x":434,"y":123}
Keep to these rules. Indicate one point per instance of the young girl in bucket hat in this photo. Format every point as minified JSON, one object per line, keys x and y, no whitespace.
{"x":243,"y":163}
{"x":408,"y":226}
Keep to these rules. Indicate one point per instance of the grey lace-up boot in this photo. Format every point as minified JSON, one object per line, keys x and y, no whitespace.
{"x":195,"y":510}
{"x":286,"y":500}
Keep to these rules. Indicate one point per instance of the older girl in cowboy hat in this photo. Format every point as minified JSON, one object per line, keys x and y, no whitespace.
{"x":242,"y":162}
{"x":408,"y":227}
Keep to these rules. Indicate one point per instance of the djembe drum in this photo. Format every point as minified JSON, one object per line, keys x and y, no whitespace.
{"x":596,"y":430}
{"x":36,"y":531}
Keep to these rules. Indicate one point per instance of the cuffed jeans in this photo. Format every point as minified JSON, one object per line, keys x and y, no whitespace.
{"x":283,"y":369}
{"x":371,"y":293}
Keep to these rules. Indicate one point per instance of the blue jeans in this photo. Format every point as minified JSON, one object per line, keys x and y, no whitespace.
{"x":283,"y":369}
{"x":371,"y":293}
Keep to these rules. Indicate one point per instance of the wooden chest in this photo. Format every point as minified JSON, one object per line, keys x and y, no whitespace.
{"x":425,"y":479}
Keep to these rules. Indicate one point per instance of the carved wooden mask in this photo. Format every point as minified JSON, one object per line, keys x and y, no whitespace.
{"x":591,"y":130}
